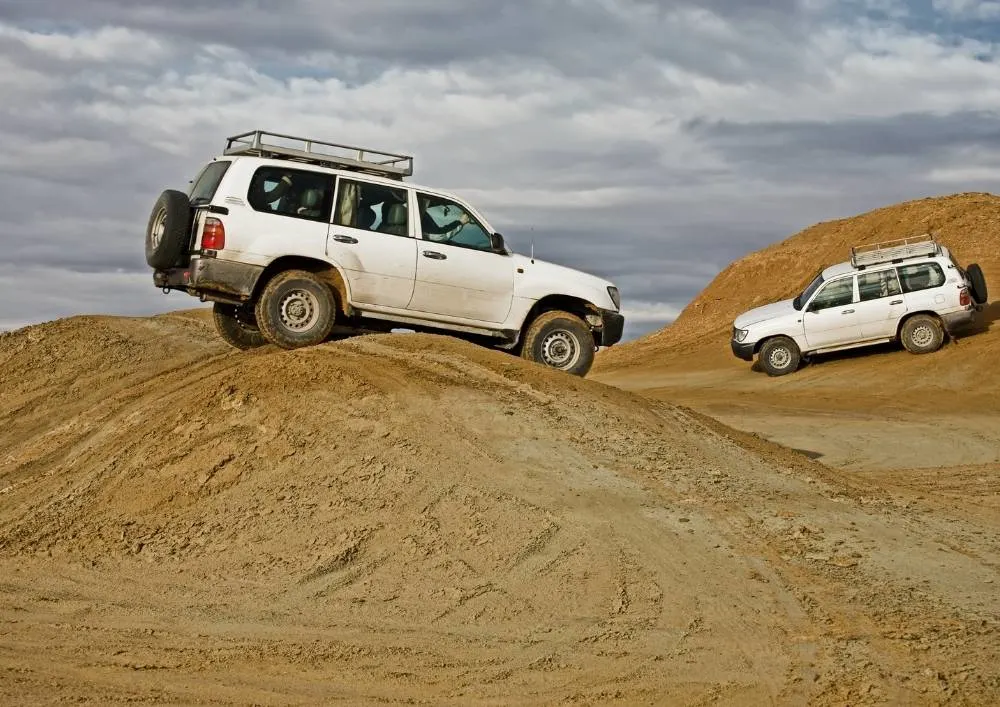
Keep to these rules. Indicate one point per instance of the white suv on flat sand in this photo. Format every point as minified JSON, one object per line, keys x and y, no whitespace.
{"x":290,"y":236}
{"x":910,"y":290}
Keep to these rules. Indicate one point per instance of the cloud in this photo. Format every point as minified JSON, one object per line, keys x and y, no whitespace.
{"x":647,"y":142}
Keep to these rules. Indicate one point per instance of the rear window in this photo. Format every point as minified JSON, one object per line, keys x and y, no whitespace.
{"x":204,"y":187}
{"x":292,"y":192}
{"x":924,"y":276}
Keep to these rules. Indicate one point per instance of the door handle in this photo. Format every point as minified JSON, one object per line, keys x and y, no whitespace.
{"x":896,"y":301}
{"x":848,"y":311}
{"x":434,"y":255}
{"x":345,"y":239}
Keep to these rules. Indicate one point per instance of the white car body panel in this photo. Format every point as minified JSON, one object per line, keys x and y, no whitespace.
{"x":461,"y":282}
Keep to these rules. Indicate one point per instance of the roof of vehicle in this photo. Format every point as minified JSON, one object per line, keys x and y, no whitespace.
{"x":847,"y":267}
{"x":262,"y":143}
{"x":375,"y":166}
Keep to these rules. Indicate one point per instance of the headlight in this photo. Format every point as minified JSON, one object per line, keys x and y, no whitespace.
{"x":615,"y":297}
{"x":740,"y":335}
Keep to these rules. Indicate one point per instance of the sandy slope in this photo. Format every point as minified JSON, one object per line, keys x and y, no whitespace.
{"x":411,"y":518}
{"x":878,"y":408}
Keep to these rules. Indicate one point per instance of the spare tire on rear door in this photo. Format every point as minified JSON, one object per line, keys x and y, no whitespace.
{"x":169,"y":230}
{"x":978,"y":283}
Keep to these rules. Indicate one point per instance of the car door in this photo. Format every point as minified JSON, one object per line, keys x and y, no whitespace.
{"x":458,"y":273}
{"x":831,"y":317}
{"x":372,"y":239}
{"x":880,"y":304}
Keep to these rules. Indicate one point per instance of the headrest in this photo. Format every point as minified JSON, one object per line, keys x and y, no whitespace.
{"x":312,"y":198}
{"x":396,"y":215}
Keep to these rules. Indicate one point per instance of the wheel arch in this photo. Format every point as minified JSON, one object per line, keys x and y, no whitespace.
{"x":910,"y":315}
{"x":770,"y":337}
{"x":566,"y":303}
{"x":327,"y":271}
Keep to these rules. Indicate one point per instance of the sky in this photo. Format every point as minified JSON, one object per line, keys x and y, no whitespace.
{"x":651,"y":143}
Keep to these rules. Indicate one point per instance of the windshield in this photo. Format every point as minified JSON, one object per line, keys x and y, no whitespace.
{"x":203,"y":189}
{"x":808,"y":292}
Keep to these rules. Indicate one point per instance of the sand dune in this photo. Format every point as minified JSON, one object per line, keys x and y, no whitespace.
{"x":411,"y":518}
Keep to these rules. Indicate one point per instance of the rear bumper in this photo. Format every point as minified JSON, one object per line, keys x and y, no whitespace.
{"x":211,"y":277}
{"x":612,"y":327}
{"x":954,"y":321}
{"x":742,"y":351}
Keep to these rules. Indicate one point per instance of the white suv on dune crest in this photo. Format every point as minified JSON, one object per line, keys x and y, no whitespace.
{"x":290,"y":236}
{"x":910,"y":290}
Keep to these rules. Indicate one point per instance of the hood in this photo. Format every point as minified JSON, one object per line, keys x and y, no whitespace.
{"x":541,"y":279}
{"x":551,"y":271}
{"x":768,"y":311}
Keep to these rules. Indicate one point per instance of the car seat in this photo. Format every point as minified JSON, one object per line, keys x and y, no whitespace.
{"x":310,"y":203}
{"x":396,"y":220}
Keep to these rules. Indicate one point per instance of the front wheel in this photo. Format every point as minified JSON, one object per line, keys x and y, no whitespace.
{"x":922,"y":334}
{"x":780,"y":356}
{"x":296,"y":309}
{"x":237,"y":326}
{"x":560,"y":340}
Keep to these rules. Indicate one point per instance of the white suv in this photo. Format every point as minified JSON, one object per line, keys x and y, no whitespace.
{"x":909,"y":290}
{"x":290,"y":236}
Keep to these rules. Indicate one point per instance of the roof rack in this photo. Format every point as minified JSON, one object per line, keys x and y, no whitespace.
{"x":863,"y":256}
{"x":259,"y":143}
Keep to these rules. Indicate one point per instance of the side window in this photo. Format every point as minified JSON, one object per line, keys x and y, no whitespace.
{"x":292,"y":192}
{"x":836,"y":294}
{"x":924,"y":276}
{"x":876,"y":285}
{"x":444,"y":221}
{"x":372,"y":207}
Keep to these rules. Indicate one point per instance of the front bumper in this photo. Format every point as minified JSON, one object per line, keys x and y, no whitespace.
{"x":612,"y":327}
{"x":211,"y":277}
{"x":742,"y":351}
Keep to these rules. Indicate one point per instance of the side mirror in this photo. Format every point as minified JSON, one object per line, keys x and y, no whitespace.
{"x":497,"y":243}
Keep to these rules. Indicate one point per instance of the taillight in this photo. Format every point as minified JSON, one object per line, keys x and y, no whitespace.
{"x":214,"y":235}
{"x":963,"y":297}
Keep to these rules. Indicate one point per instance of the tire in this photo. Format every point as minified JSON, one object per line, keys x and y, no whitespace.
{"x":922,"y":334}
{"x":978,"y":284}
{"x":168,"y":233}
{"x":560,"y":340}
{"x":296,"y":309}
{"x":237,"y":326}
{"x":779,"y":356}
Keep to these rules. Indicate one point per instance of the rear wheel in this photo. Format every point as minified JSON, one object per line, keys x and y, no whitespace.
{"x":296,"y":309}
{"x":237,"y":326}
{"x":560,"y":340}
{"x":780,"y":356}
{"x":922,"y":334}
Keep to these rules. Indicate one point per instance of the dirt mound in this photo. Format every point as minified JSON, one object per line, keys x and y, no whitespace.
{"x":395,"y":518}
{"x":969,"y":224}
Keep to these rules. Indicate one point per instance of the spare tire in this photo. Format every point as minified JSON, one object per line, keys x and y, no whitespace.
{"x":168,"y":232}
{"x":977,"y":283}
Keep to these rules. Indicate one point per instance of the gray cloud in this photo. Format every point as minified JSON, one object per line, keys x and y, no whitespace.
{"x":647,"y":142}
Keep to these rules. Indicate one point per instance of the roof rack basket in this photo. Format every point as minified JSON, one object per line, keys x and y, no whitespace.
{"x":259,"y":143}
{"x":889,"y":251}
